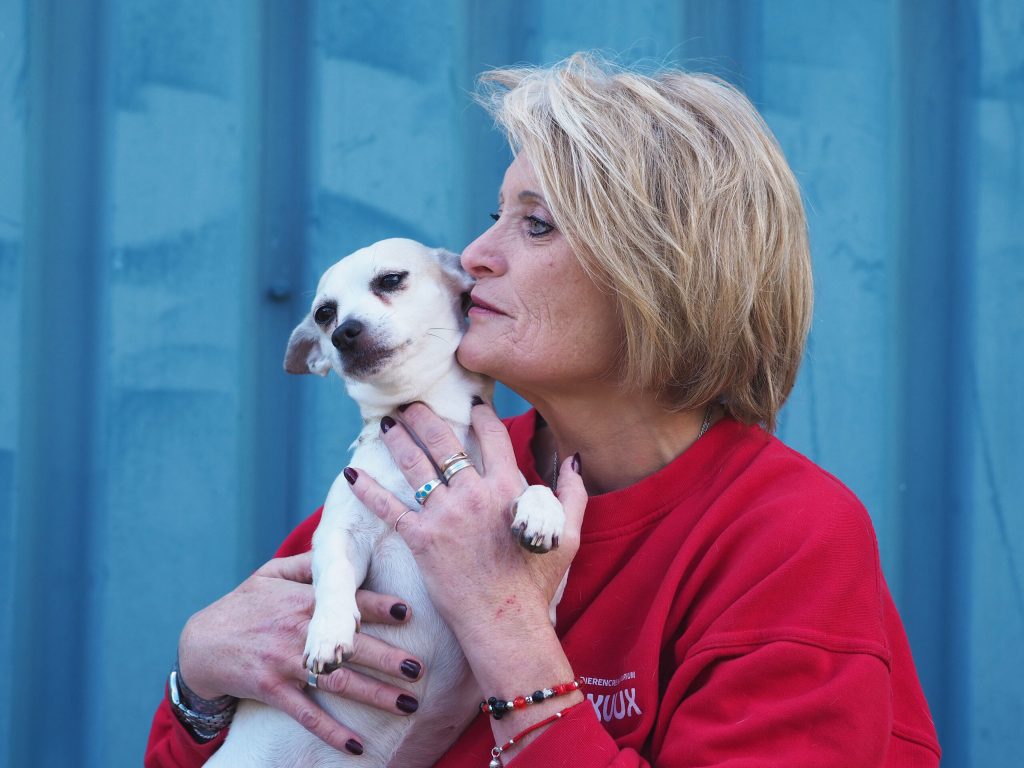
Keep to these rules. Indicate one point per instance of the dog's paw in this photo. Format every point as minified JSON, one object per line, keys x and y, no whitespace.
{"x":330,"y":639}
{"x":538,"y":520}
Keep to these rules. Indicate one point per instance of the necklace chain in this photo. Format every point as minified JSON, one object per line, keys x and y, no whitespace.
{"x":554,"y":473}
{"x":707,"y":421}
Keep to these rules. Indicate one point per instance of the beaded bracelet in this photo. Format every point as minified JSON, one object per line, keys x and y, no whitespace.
{"x":497,"y":752}
{"x":498,"y":707}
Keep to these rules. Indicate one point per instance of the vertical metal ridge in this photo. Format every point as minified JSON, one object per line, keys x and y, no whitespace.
{"x":55,"y":502}
{"x":278,"y":218}
{"x":936,"y":542}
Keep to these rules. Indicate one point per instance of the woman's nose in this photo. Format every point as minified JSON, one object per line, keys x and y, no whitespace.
{"x":482,"y":256}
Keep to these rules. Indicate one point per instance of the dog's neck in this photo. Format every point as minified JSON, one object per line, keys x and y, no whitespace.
{"x":449,"y":396}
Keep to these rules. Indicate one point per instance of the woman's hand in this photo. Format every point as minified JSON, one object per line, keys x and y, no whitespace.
{"x":477,"y":575}
{"x":249,"y":644}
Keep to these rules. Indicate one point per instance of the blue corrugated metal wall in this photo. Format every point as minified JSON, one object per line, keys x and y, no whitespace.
{"x":174,"y":176}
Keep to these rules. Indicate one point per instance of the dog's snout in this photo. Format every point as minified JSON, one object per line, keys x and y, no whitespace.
{"x":345,"y":335}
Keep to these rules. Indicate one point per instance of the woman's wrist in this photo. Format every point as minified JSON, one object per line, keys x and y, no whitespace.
{"x":514,"y":655}
{"x":198,"y":687}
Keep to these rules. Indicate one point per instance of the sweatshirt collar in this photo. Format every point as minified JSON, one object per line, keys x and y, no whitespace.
{"x":653,"y":496}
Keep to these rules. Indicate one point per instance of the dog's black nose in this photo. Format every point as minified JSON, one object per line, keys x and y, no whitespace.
{"x":345,"y":335}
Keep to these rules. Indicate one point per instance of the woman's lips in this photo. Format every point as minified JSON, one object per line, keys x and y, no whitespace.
{"x":481,"y":307}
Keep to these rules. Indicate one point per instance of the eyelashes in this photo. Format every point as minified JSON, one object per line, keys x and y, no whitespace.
{"x":537,"y":227}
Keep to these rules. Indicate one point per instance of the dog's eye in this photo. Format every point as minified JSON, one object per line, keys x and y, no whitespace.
{"x":324,"y":315}
{"x":390,"y":281}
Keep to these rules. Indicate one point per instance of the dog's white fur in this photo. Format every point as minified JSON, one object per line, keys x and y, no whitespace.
{"x":406,"y":353}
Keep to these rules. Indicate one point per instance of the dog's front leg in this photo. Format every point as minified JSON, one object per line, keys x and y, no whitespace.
{"x":537,"y":525}
{"x":341,"y":551}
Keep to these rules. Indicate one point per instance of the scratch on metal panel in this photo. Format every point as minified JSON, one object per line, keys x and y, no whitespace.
{"x":997,"y":504}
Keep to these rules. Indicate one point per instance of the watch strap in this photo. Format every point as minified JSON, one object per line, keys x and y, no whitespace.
{"x":203,"y":718}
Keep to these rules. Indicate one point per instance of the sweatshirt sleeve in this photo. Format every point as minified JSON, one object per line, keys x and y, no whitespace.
{"x":170,"y":745}
{"x":780,"y":704}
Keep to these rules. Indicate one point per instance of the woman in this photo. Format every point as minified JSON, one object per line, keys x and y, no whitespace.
{"x":646,"y":287}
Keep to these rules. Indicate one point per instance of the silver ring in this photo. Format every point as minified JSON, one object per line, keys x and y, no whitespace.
{"x":400,"y":518}
{"x":424,"y":491}
{"x":458,"y":466}
{"x":453,"y":459}
{"x":311,"y":678}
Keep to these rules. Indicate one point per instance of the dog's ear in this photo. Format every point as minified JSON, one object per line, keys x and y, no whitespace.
{"x":303,"y":354}
{"x":451,"y":268}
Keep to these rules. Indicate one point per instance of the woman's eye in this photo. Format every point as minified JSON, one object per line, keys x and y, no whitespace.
{"x":537,"y":226}
{"x":324,"y":315}
{"x":390,"y":281}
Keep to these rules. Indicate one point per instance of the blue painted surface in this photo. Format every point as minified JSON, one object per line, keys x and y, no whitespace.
{"x":175,"y":176}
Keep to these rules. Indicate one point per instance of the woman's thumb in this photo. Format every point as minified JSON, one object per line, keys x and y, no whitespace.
{"x":571,"y":492}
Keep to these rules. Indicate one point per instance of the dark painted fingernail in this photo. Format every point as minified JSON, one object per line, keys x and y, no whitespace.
{"x":576,"y":464}
{"x":411,"y":669}
{"x":386,"y":423}
{"x":354,"y":747}
{"x":407,"y":704}
{"x":477,"y":400}
{"x":351,"y":475}
{"x":399,"y":611}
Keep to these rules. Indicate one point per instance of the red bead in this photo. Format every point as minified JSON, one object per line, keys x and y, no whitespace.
{"x":519,"y":702}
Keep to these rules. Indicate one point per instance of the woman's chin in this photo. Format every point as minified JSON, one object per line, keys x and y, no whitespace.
{"x":474,"y":359}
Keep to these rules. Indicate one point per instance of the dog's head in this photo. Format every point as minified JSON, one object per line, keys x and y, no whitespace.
{"x":386,"y":315}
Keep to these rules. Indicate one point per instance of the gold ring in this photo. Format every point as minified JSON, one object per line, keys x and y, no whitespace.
{"x":455,"y":457}
{"x":455,"y":467}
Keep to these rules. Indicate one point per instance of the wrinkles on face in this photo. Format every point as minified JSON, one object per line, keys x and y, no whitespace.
{"x":555,"y":322}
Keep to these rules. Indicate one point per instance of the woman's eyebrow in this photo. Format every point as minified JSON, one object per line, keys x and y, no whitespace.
{"x":526,"y":194}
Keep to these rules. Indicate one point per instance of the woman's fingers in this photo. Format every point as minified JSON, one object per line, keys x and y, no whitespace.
{"x":435,"y":434}
{"x":307,"y":713}
{"x":382,"y":609}
{"x":380,"y":500}
{"x":352,"y":685}
{"x":495,"y":445}
{"x":295,"y":568}
{"x":414,"y":464}
{"x":572,"y":493}
{"x":373,"y":653}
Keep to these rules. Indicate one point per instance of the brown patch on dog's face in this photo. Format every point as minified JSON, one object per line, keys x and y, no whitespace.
{"x":388,"y":283}
{"x":361,"y":363}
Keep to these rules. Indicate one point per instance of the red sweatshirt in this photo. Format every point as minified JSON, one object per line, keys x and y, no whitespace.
{"x":728,"y":610}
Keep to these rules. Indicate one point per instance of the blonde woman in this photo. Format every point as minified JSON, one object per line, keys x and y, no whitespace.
{"x":646,"y":286}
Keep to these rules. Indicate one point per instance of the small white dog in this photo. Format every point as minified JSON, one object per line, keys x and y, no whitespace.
{"x":387,"y":319}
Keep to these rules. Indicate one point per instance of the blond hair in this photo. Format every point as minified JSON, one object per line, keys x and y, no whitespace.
{"x":676,"y":198}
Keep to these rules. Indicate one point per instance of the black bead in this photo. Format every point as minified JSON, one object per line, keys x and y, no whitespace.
{"x":497,"y":715}
{"x":492,"y":701}
{"x":538,"y":695}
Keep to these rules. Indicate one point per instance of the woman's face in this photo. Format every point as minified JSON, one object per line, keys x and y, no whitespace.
{"x":538,"y":323}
